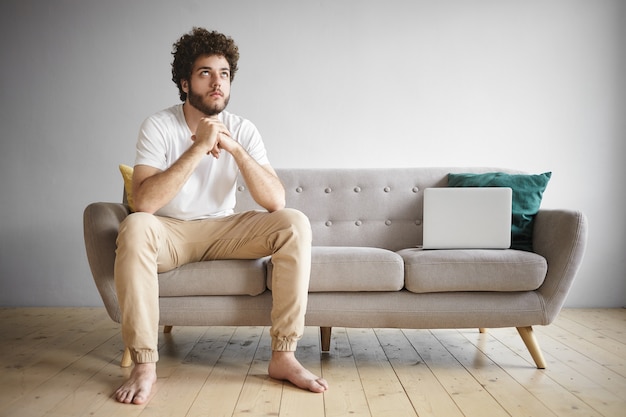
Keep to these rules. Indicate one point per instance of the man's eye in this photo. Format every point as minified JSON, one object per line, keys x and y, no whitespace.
{"x":226,"y":75}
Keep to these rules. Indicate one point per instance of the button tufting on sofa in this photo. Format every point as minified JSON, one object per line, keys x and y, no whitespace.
{"x":357,"y":189}
{"x":327,"y":190}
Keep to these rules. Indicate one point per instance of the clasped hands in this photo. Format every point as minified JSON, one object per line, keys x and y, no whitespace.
{"x":214,"y":136}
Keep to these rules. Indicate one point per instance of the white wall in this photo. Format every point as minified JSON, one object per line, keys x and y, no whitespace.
{"x":531,"y":84}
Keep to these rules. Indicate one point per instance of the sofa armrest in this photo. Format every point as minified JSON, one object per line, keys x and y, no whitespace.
{"x":560,"y":236}
{"x":100,"y":226}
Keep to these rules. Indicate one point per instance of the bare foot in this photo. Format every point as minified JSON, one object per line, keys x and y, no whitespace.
{"x":285,"y":366}
{"x":137,"y":389}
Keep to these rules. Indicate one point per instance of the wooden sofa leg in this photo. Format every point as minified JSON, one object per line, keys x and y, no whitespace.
{"x":127,"y":361}
{"x":325,"y":338}
{"x":167,"y":329}
{"x":482,"y":330}
{"x":533,"y":347}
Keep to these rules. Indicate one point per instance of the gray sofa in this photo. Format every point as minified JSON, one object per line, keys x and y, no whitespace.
{"x":368,"y":269}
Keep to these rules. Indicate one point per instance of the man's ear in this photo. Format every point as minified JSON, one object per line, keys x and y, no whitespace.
{"x":184,"y":85}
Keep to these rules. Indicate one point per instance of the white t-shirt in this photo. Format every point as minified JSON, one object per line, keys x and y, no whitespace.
{"x":210,"y":191}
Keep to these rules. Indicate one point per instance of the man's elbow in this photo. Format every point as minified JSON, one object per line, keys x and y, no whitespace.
{"x":273,"y":202}
{"x":276,"y":205}
{"x":142,"y":209}
{"x":144,"y":206}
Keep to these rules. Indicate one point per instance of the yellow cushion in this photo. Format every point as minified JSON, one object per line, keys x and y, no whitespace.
{"x":127,"y":175}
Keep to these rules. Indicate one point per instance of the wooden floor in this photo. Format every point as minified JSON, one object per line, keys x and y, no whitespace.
{"x":65,"y":362}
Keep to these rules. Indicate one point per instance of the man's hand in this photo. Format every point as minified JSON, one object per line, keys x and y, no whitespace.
{"x":213,"y":136}
{"x":265,"y":187}
{"x":154,"y":188}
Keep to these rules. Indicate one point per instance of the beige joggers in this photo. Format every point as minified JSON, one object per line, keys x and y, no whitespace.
{"x":149,"y":244}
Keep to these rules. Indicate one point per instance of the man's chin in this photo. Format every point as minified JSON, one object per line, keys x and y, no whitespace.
{"x":218,"y":106}
{"x":215,"y":109}
{"x":213,"y":112}
{"x":212,"y":109}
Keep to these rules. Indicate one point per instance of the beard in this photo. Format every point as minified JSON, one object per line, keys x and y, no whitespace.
{"x":209,"y":109}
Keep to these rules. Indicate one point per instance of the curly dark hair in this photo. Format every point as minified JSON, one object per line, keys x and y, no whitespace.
{"x":200,"y":42}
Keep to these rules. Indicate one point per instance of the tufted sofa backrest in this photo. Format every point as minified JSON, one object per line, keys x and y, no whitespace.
{"x":374,"y":207}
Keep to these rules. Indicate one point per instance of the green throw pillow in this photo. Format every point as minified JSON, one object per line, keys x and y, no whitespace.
{"x":527,"y":193}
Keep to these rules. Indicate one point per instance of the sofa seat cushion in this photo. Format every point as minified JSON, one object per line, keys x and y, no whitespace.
{"x":220,"y":277}
{"x":350,"y":269}
{"x":472,"y":270}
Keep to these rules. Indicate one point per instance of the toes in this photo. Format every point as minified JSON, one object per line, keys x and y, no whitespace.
{"x":128,"y":398}
{"x":121,"y":396}
{"x":131,"y":397}
{"x":323,"y":383}
{"x":318,"y":385}
{"x":139,"y":399}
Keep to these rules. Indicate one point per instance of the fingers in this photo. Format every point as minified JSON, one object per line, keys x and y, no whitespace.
{"x":213,"y":125}
{"x":222,"y":143}
{"x":215,"y":151}
{"x":210,"y":132}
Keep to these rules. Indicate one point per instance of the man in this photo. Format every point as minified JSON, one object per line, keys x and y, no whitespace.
{"x":187,"y":162}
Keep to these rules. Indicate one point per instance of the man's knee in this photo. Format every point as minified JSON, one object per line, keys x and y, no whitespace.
{"x":297,"y":221}
{"x":138,"y":227}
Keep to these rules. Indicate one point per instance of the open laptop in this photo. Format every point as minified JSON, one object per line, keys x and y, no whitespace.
{"x":467,"y":218}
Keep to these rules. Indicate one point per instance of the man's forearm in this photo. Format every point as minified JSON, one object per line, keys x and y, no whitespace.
{"x":264,"y":185}
{"x":155,"y":191}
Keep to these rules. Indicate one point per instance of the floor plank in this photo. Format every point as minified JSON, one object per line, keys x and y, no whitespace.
{"x":609,"y":322}
{"x":385,"y":394}
{"x":466,"y":392}
{"x":506,"y":347}
{"x":181,"y":388}
{"x":346,"y":396}
{"x":508,"y":393}
{"x":44,"y":375}
{"x":65,"y":362}
{"x":221,"y":390}
{"x":98,"y":389}
{"x":428,"y":396}
{"x":604,"y":339}
{"x":586,"y":348}
{"x":261,"y":395}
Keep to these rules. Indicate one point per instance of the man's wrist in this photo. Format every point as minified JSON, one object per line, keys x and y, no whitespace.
{"x":238,"y":151}
{"x":199,"y":148}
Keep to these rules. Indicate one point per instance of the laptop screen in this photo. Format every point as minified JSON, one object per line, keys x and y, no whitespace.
{"x":467,"y":218}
